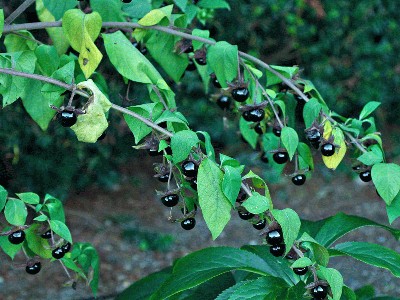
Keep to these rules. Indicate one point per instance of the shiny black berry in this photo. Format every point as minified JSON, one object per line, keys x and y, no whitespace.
{"x":154,"y":152}
{"x":189,"y":49}
{"x":280,"y":157}
{"x":66,"y":118}
{"x":164,"y":177}
{"x":67,"y":247}
{"x":258,"y":129}
{"x":191,"y":66}
{"x":58,"y":253}
{"x":127,"y":1}
{"x":240,"y":94}
{"x":274,"y":237}
{"x":319,"y":292}
{"x":366,"y":176}
{"x":188,"y":224}
{"x":277,"y":250}
{"x":33,"y":269}
{"x":224,"y":102}
{"x":245,"y":215}
{"x":255,"y":115}
{"x":300,"y":271}
{"x":189,"y":168}
{"x":313,"y":135}
{"x":170,"y":200}
{"x":201,"y":61}
{"x":260,"y":224}
{"x":193,"y":184}
{"x":299,"y":179}
{"x":16,"y":237}
{"x":276,"y":131}
{"x":328,"y":149}
{"x":215,"y":82}
{"x":46,"y":235}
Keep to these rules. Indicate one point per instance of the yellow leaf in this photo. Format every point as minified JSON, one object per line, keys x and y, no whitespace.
{"x":327,"y":129}
{"x":333,"y":161}
{"x":89,"y":57}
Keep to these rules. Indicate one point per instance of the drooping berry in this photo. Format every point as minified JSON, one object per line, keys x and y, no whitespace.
{"x":66,"y":118}
{"x":254,"y":115}
{"x":201,"y":61}
{"x":240,"y":94}
{"x":46,"y":235}
{"x":189,"y":49}
{"x":215,"y":82}
{"x":16,"y":237}
{"x":319,"y":292}
{"x":153,"y":152}
{"x":191,"y":66}
{"x":189,"y":168}
{"x":245,"y":215}
{"x":328,"y":149}
{"x":300,"y":271}
{"x":276,"y":131}
{"x":33,"y":269}
{"x":299,"y":179}
{"x":366,"y":176}
{"x":127,"y":1}
{"x":164,"y":177}
{"x":258,"y":129}
{"x":314,"y":137}
{"x":66,"y":247}
{"x":280,"y":157}
{"x":274,"y":237}
{"x":58,"y":253}
{"x":260,"y":224}
{"x":170,"y":200}
{"x":224,"y":102}
{"x":188,"y":224}
{"x":277,"y":250}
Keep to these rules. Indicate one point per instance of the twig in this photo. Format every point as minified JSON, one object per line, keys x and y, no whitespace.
{"x":65,"y":269}
{"x":16,"y":13}
{"x":157,"y":91}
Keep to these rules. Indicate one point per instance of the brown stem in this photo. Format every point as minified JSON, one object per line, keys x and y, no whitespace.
{"x":16,"y":13}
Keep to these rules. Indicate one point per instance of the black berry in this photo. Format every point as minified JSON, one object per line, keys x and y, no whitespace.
{"x":164,"y":177}
{"x":189,"y":168}
{"x":67,"y":247}
{"x":46,"y":235}
{"x":201,"y":61}
{"x":188,"y":224}
{"x":254,"y":115}
{"x":58,"y":253}
{"x":170,"y":200}
{"x":240,"y":94}
{"x":127,"y":1}
{"x":241,"y":196}
{"x":280,"y":157}
{"x":300,"y":271}
{"x":168,"y":150}
{"x":328,"y":149}
{"x":366,"y":176}
{"x":102,"y":136}
{"x":154,"y":152}
{"x":319,"y":292}
{"x":16,"y":237}
{"x":276,"y":131}
{"x":299,"y":179}
{"x":189,"y":49}
{"x":277,"y":250}
{"x":215,"y":82}
{"x":193,"y":184}
{"x":224,"y":102}
{"x":275,"y":237}
{"x":33,"y":269}
{"x":66,"y":118}
{"x":258,"y":128}
{"x":245,"y":215}
{"x":191,"y":66}
{"x":260,"y":224}
{"x":313,"y":135}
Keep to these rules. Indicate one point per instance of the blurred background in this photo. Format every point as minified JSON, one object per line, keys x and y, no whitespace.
{"x":348,"y":48}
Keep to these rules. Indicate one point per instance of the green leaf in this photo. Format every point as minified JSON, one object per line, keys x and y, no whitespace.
{"x":213,"y":4}
{"x":64,"y":74}
{"x":337,"y":226}
{"x":231,"y":183}
{"x":145,"y":287}
{"x":372,"y":254}
{"x":81,"y":31}
{"x":30,"y":198}
{"x":290,"y":140}
{"x":155,"y":16}
{"x":290,"y":223}
{"x":266,"y":287}
{"x":207,"y":264}
{"x":47,"y":59}
{"x":36,"y":244}
{"x":248,"y":133}
{"x":55,"y":208}
{"x":88,"y":258}
{"x":201,"y":33}
{"x":110,"y":11}
{"x":3,"y":197}
{"x":365,"y":293}
{"x":320,"y":253}
{"x":182,"y":144}
{"x":58,"y":8}
{"x":334,"y":279}
{"x":348,"y":294}
{"x":10,"y":249}
{"x":1,"y":22}
{"x":386,"y":178}
{"x":215,"y":206}
{"x":256,"y":204}
{"x":287,"y":72}
{"x":41,"y":218}
{"x":259,"y":183}
{"x":91,"y":125}
{"x":223,"y":59}
{"x":311,"y":111}
{"x":207,"y":142}
{"x":368,"y":109}
{"x":392,"y":210}
{"x":61,"y":229}
{"x":306,"y":155}
{"x":24,"y":41}
{"x":15,"y":212}
{"x":302,"y":262}
{"x":372,"y":157}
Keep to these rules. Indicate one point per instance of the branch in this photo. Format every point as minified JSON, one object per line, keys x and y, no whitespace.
{"x":16,"y":13}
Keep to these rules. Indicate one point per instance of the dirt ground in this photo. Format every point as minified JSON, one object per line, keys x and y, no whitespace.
{"x":92,"y":216}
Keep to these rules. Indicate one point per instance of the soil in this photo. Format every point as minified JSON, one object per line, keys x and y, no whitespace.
{"x":107,"y":218}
